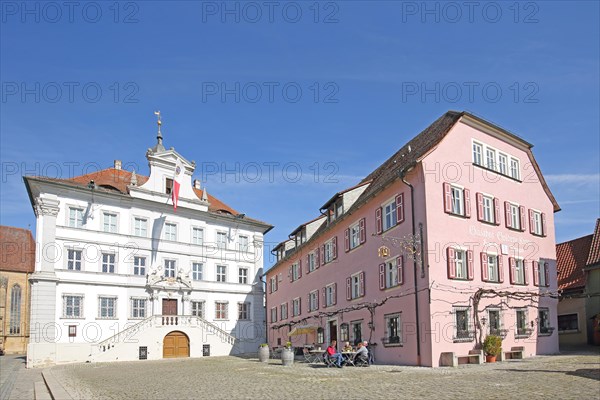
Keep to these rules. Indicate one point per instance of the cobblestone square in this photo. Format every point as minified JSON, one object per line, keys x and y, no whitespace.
{"x":567,"y":376}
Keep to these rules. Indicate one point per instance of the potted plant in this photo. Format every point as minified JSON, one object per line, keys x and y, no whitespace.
{"x":492,"y":346}
{"x":287,"y":355}
{"x":263,"y":352}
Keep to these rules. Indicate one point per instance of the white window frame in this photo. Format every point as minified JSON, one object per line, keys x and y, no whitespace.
{"x":477,"y":151}
{"x":491,"y":330}
{"x":524,"y":331}
{"x":110,"y":300}
{"x":273,"y":284}
{"x":490,"y":158}
{"x":106,"y":266}
{"x":170,"y":231}
{"x":515,"y":216}
{"x":515,"y":171}
{"x":139,"y":268}
{"x":458,"y":199}
{"x":110,"y":222}
{"x":198,"y":308}
{"x":314,"y":298}
{"x":66,"y":297}
{"x":75,"y":217}
{"x":389,"y":217}
{"x":243,"y":275}
{"x":311,"y":262}
{"x":139,"y":306}
{"x":273,"y":314}
{"x":296,"y":307}
{"x":460,"y":262}
{"x":283,"y":310}
{"x":197,"y":235}
{"x":329,"y":295}
{"x":295,"y":271}
{"x":171,"y":271}
{"x":221,"y":244}
{"x":244,"y":243}
{"x":488,"y":208}
{"x":354,"y":235}
{"x":221,"y":273}
{"x":537,"y":223}
{"x":503,"y":163}
{"x":391,"y":273}
{"x":197,"y":271}
{"x":140,"y":226}
{"x":519,"y":277}
{"x":541,"y":273}
{"x":328,"y":251}
{"x":222,"y":314}
{"x":355,"y":286}
{"x":493,"y":267}
{"x":77,"y":265}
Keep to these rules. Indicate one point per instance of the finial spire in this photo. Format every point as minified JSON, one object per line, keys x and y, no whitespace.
{"x":159,"y":145}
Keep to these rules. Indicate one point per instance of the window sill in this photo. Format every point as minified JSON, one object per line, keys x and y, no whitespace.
{"x":72,"y":317}
{"x":491,"y":223}
{"x":461,"y":216}
{"x":393,"y":344}
{"x":107,"y":318}
{"x":569,"y":332}
{"x":463,"y":340}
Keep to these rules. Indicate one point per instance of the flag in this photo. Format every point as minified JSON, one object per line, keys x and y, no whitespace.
{"x":177,"y":178}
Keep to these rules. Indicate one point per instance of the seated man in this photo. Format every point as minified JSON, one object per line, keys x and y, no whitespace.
{"x":362,"y":354}
{"x":333,"y":353}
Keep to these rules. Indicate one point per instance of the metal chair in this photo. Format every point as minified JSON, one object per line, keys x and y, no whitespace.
{"x":329,"y":361}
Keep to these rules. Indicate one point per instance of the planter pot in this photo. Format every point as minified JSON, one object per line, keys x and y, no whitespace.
{"x":490,"y":359}
{"x":263,"y":354}
{"x":287,"y":357}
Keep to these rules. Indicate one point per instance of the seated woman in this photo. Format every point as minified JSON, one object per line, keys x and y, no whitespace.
{"x":347,"y":347}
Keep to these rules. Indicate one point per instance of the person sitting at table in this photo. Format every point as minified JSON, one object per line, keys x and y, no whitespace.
{"x":347,"y":348}
{"x":333,"y":353}
{"x":362,"y":353}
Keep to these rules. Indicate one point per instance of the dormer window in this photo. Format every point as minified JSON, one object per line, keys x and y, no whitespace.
{"x":168,"y":185}
{"x":335,"y":210}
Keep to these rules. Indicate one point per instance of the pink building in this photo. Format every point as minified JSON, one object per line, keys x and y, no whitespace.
{"x":450,"y":239}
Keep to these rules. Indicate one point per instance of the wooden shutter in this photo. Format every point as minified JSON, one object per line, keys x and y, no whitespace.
{"x":447,"y":198}
{"x":484,"y":267}
{"x":522,"y":218}
{"x":299,"y":305}
{"x":451,"y":254}
{"x":347,"y":240}
{"x":382,"y":276}
{"x":400,"y":267}
{"x":507,"y":214}
{"x":348,"y":288}
{"x":496,"y":211}
{"x":467,"y":195}
{"x":500,"y":269}
{"x":400,"y":208}
{"x":324,"y":294}
{"x":334,"y":247}
{"x":271,"y":285}
{"x":543,"y":224}
{"x":361,"y":280}
{"x":363,"y":231}
{"x":531,"y":221}
{"x":512,"y":265}
{"x":308,"y":263}
{"x":470,"y":266}
{"x":308,"y":305}
{"x":378,"y":220}
{"x":323,"y":255}
{"x":547,"y":273}
{"x":291,"y":274}
{"x":280,"y":277}
{"x":525,"y":274}
{"x":479,"y":199}
{"x":536,"y":273}
{"x":334,"y":293}
{"x":299,"y":268}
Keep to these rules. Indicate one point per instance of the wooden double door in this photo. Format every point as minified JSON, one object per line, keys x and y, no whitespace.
{"x":176,"y":344}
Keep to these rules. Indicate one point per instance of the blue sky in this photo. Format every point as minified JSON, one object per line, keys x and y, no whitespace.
{"x":281,"y":107}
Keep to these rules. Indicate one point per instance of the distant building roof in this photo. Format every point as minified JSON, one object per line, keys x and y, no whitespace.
{"x":574,"y":256}
{"x":17,"y":249}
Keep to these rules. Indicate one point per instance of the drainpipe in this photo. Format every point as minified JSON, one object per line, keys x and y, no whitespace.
{"x":403,"y":173}
{"x":264,"y":283}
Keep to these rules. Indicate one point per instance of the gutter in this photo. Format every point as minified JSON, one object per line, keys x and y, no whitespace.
{"x":403,"y":173}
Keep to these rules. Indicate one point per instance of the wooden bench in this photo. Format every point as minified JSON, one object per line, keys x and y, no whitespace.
{"x":515,"y":353}
{"x":450,"y":359}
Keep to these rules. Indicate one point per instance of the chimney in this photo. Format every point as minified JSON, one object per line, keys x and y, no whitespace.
{"x":117,"y":164}
{"x":197,"y":184}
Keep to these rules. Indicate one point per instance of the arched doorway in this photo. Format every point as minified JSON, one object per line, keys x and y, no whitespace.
{"x":176,"y":344}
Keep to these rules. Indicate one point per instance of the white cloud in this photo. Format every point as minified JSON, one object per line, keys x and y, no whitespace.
{"x":574,"y":179}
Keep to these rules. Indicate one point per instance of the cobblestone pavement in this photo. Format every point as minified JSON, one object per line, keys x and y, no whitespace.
{"x":570,"y":376}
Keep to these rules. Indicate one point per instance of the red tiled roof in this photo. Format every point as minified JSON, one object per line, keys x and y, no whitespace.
{"x":594,"y":257}
{"x":571,"y":258}
{"x":17,"y":250}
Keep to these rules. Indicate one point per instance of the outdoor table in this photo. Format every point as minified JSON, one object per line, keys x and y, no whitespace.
{"x":316,"y":355}
{"x":349,"y":357}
